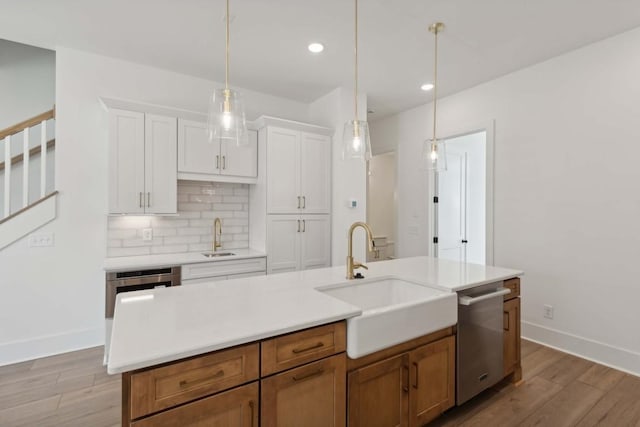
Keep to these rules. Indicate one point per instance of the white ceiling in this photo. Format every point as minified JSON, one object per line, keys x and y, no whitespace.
{"x":484,"y":39}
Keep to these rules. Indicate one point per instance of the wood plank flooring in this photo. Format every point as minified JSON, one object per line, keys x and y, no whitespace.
{"x":73,"y":389}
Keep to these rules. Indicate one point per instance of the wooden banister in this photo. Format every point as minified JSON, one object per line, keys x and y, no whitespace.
{"x":35,"y":150}
{"x":37,"y":202}
{"x":19,"y":127}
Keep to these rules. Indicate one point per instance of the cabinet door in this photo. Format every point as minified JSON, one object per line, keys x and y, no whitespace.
{"x":283,"y":171}
{"x":511,"y":323}
{"x":126,"y":162}
{"x":432,"y":380}
{"x":313,"y":395}
{"x":161,"y":164}
{"x":316,"y":241}
{"x":240,"y":160}
{"x":195,"y":153}
{"x":315,"y":173}
{"x":379,"y":394}
{"x":234,"y":408}
{"x":283,"y":243}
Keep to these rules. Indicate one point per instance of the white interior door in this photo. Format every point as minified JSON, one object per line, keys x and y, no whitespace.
{"x":452,"y":208}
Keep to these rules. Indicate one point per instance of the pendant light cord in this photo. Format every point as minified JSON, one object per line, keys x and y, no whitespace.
{"x":226,"y":73}
{"x":435,"y":84}
{"x":355,"y":90}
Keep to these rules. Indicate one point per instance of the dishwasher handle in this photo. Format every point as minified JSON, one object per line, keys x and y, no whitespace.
{"x":467,"y":300}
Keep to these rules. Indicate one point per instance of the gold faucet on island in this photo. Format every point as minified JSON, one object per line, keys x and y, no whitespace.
{"x":217,"y":233}
{"x":351,"y":264}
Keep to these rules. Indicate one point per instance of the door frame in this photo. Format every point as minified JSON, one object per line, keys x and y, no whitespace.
{"x":456,"y":131}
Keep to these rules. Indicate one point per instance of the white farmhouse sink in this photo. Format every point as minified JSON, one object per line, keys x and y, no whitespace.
{"x":393,"y":311}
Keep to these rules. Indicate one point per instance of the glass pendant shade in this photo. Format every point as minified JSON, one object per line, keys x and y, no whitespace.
{"x":226,"y":120}
{"x":355,"y":141}
{"x":434,"y":154}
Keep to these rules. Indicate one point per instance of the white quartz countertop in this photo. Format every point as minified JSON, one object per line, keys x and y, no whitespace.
{"x":168,"y":260}
{"x":162,"y":325}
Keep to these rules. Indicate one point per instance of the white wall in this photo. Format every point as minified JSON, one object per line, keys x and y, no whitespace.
{"x":27,"y":82}
{"x":53,"y":298}
{"x":567,"y":143}
{"x":348,"y":176}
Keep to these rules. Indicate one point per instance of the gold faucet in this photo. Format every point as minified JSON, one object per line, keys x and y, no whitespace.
{"x":351,"y":264}
{"x":217,"y":231}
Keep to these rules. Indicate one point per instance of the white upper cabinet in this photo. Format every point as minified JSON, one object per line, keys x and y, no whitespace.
{"x":199,"y":159}
{"x":142,"y":163}
{"x":160,"y":159}
{"x":299,"y":167}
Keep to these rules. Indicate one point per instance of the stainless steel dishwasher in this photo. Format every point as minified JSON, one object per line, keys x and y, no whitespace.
{"x":480,"y":339}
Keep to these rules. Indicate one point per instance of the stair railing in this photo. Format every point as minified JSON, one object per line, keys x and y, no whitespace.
{"x":25,"y":126}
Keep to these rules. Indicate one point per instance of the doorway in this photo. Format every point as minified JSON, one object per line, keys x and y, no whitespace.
{"x":460,"y":213}
{"x":381,"y":205}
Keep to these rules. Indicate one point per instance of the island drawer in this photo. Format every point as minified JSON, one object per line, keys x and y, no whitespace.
{"x":514,"y":285}
{"x":298,"y":348}
{"x":170,"y":385}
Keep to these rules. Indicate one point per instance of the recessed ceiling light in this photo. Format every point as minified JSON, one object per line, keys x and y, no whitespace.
{"x":316,"y":47}
{"x":427,"y":87}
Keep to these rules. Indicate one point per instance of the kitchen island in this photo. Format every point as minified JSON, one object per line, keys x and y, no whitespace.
{"x":173,"y":331}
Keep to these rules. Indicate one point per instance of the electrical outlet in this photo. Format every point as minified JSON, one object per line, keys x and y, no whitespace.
{"x":548,"y":311}
{"x":147,"y":234}
{"x":41,"y":240}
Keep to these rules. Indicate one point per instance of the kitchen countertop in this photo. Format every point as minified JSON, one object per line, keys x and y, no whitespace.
{"x":169,"y":260}
{"x":162,"y":325}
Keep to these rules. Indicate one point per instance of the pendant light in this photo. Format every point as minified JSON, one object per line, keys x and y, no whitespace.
{"x":355,"y":138}
{"x":226,"y":120}
{"x":434,"y":151}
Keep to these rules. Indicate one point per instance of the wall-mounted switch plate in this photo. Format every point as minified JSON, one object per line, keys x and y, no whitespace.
{"x":41,"y":240}
{"x":147,"y":234}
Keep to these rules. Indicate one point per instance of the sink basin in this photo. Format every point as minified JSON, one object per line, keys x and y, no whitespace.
{"x":393,"y":311}
{"x":217,"y":254}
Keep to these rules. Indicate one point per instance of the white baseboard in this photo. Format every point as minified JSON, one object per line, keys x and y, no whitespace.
{"x":20,"y":351}
{"x":615,"y":357}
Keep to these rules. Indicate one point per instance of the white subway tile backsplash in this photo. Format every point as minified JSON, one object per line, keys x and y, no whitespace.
{"x":199,"y":203}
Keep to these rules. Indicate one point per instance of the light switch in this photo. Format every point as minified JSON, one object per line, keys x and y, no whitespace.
{"x":41,"y":240}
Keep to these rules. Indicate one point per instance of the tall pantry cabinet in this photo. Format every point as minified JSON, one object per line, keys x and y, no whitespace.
{"x":293,"y":193}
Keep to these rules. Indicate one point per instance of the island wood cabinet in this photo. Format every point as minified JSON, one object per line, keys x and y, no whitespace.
{"x":511,"y":325}
{"x":298,"y":172}
{"x":298,"y":242}
{"x":202,"y":160}
{"x":302,"y":376}
{"x":411,"y":386}
{"x":142,"y":163}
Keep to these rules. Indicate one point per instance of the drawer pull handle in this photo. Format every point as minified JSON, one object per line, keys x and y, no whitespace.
{"x":251,"y":406}
{"x":302,"y":350}
{"x":309,"y":375}
{"x":415,"y":384}
{"x":185,"y":383}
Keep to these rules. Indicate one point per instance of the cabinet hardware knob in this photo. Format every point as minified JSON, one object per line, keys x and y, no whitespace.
{"x":313,"y":347}
{"x":298,"y":226}
{"x":304,"y":225}
{"x":185,"y":383}
{"x":304,"y":202}
{"x":309,"y":375}
{"x":298,"y":202}
{"x":218,"y":162}
{"x":224,"y":162}
{"x":415,"y":383}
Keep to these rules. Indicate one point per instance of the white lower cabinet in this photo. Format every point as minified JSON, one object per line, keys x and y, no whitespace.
{"x":222,"y":270}
{"x":298,"y":242}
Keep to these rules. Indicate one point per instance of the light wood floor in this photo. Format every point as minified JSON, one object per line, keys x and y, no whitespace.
{"x":559,"y":390}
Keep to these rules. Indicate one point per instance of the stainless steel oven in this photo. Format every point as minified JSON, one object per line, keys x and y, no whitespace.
{"x":134,"y":280}
{"x":480,"y":339}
